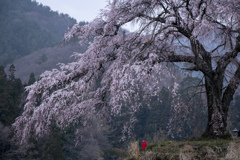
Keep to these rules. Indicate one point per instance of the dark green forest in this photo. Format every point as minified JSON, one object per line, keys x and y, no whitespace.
{"x":27,"y":26}
{"x":11,"y":90}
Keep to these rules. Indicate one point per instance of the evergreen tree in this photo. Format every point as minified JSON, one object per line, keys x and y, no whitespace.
{"x":159,"y":113}
{"x":12,"y":72}
{"x":10,"y":95}
{"x":3,"y":79}
{"x":31,"y":79}
{"x":154,"y":119}
{"x":7,"y":109}
{"x":195,"y":120}
{"x":140,"y":126}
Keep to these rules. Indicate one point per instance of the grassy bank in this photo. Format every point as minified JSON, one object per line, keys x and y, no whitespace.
{"x":202,"y":149}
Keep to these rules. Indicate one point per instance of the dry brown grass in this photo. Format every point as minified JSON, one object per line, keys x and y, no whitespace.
{"x":233,"y":151}
{"x":203,"y":149}
{"x":134,"y":150}
{"x":187,"y":152}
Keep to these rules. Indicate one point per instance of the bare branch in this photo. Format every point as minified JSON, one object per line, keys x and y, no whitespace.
{"x":226,"y":59}
{"x":231,"y":88}
{"x":218,"y":47}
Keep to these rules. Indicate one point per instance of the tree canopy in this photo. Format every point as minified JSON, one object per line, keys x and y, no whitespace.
{"x":121,"y":70}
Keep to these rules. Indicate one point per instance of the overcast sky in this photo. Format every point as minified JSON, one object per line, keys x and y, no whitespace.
{"x":81,"y":10}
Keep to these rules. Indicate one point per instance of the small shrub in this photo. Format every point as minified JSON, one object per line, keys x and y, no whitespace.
{"x":228,"y":135}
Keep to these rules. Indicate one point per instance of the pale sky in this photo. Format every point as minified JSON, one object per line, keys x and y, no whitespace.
{"x":81,"y":10}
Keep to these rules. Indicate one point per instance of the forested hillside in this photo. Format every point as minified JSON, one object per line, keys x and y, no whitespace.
{"x":27,"y":26}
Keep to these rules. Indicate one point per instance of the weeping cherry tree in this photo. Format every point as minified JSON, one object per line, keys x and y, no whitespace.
{"x":204,"y":34}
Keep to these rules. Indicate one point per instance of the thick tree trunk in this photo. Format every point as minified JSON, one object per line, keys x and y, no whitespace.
{"x":217,"y":112}
{"x":217,"y":120}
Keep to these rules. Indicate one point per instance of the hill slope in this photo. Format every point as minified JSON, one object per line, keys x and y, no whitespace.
{"x":27,"y":26}
{"x":45,"y":59}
